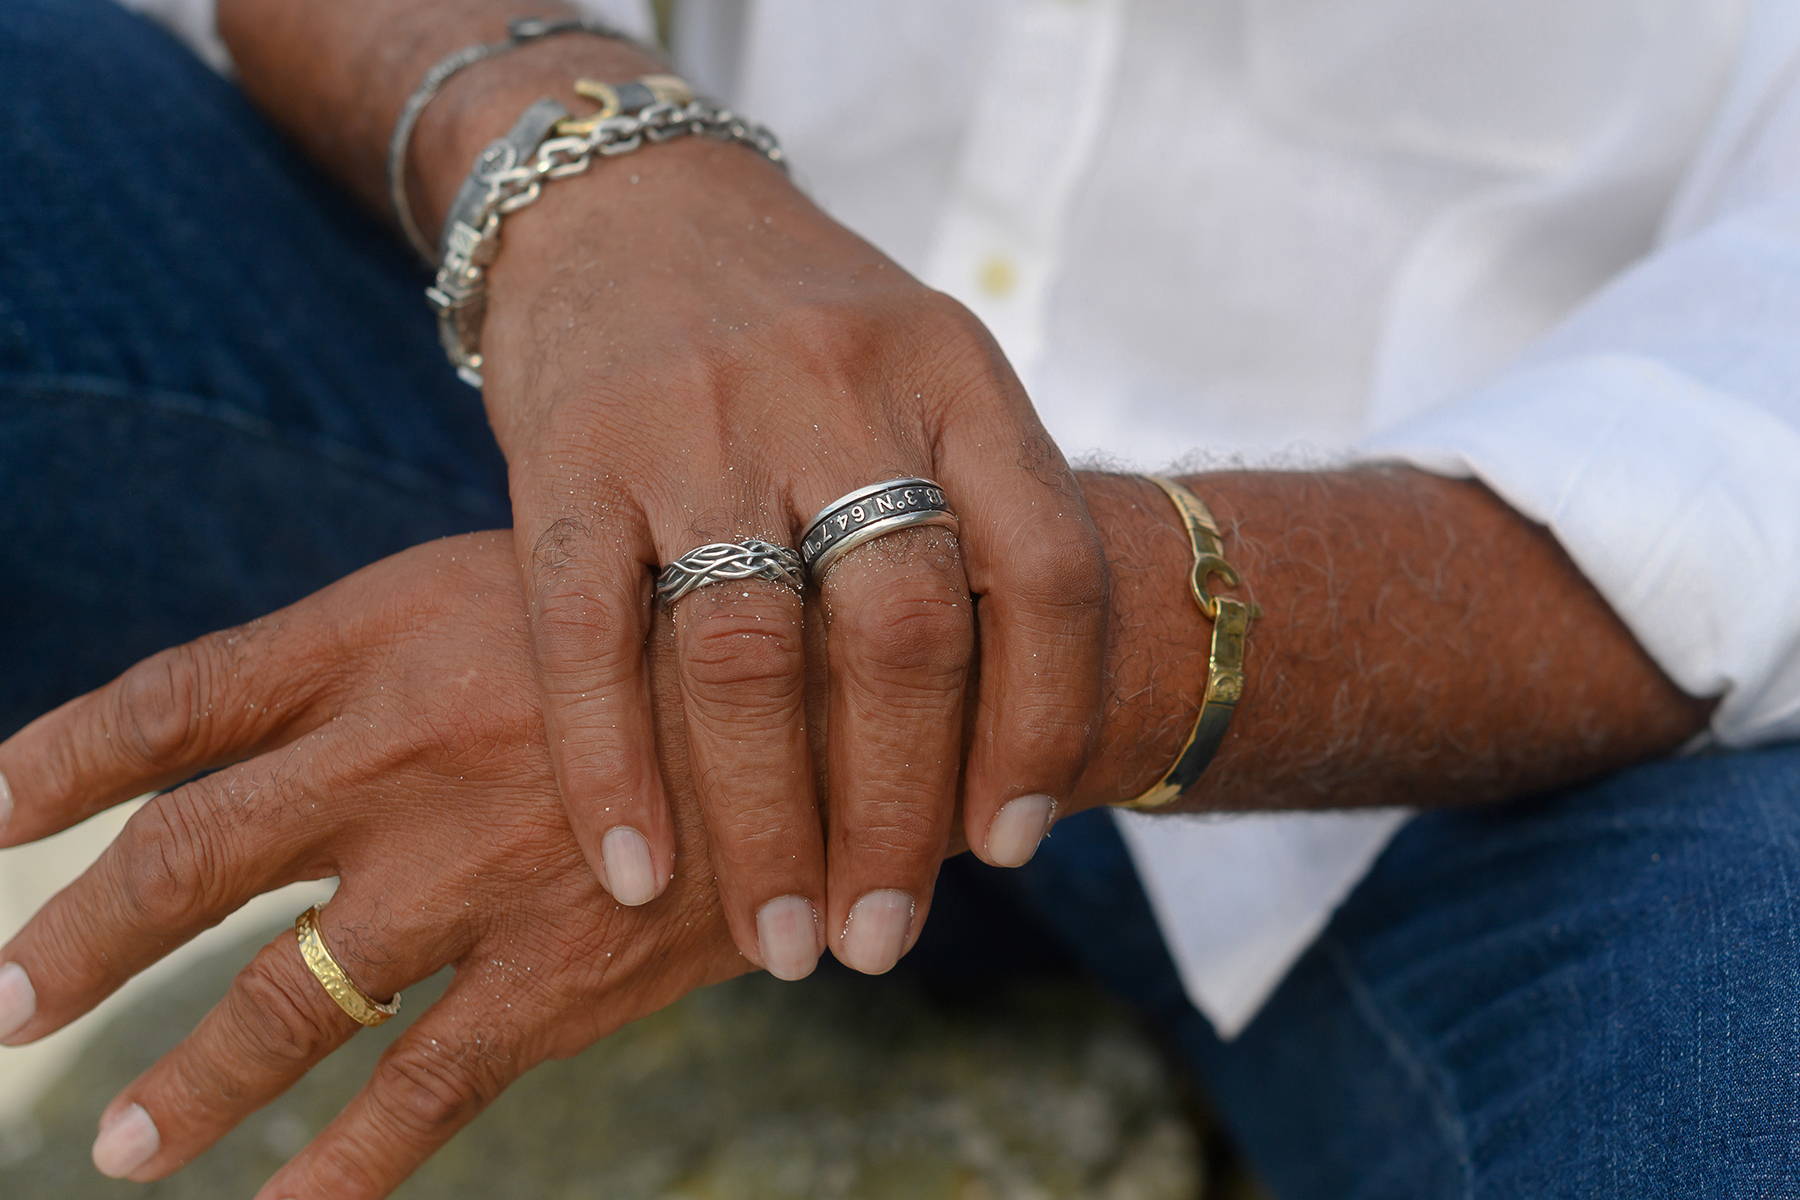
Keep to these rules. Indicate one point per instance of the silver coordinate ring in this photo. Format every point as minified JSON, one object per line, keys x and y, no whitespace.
{"x":724,"y":562}
{"x":869,"y":513}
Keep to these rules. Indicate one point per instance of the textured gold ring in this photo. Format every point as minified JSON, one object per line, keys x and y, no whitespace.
{"x":357,"y":1004}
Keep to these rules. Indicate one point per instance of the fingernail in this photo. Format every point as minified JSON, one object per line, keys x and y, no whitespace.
{"x":1017,"y":829}
{"x":630,"y":877}
{"x":787,"y":933}
{"x":126,"y":1142}
{"x":6,"y":804}
{"x":875,"y":932}
{"x":18,"y":999}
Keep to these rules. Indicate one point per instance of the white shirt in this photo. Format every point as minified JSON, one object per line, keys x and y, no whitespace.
{"x":1552,"y":246}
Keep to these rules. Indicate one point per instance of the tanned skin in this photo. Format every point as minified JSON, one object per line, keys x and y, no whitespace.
{"x":385,"y":732}
{"x":1421,"y":641}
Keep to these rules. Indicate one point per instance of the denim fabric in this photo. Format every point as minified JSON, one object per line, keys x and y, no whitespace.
{"x":219,"y":391}
{"x":1586,"y":994}
{"x":221,"y":386}
{"x":1590,"y":994}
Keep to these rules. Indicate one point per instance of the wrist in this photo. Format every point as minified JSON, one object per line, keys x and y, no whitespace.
{"x":1388,"y":666}
{"x":1158,"y":640}
{"x":479,"y":104}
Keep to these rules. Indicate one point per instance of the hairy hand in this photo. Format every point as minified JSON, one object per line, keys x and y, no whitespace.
{"x":386,"y":732}
{"x":680,"y":350}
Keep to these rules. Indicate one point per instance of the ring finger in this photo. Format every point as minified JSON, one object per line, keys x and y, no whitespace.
{"x":899,"y":634}
{"x":274,"y":1024}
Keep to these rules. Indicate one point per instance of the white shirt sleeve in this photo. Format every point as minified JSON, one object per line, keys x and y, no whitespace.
{"x":1656,"y":432}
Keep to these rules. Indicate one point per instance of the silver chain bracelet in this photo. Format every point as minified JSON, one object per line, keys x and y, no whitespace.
{"x":472,"y":240}
{"x":520,"y":32}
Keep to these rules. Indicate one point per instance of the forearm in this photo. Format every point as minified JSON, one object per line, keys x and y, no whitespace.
{"x":335,"y":74}
{"x":1420,"y":643}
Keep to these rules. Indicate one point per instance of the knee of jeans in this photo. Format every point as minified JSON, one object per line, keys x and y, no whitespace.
{"x":1623,"y":954}
{"x":1672,"y":823}
{"x":1582,"y":994}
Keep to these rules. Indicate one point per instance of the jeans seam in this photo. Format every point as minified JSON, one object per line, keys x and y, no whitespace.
{"x":386,"y":471}
{"x":1430,"y":1080}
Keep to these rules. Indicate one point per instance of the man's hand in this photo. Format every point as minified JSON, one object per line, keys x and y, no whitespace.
{"x":681,"y":349}
{"x":384,"y":731}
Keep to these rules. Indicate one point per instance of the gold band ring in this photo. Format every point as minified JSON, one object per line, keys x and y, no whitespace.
{"x":357,"y":1004}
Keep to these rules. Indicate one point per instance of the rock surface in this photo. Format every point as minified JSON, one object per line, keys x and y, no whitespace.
{"x":838,"y":1087}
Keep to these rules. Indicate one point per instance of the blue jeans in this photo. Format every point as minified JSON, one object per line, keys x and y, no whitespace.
{"x":219,"y":391}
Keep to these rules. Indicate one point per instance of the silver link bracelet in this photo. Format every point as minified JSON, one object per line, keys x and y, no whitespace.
{"x":520,"y":32}
{"x":472,"y":238}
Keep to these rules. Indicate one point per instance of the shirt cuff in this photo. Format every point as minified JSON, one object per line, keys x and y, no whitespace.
{"x":1679,"y":501}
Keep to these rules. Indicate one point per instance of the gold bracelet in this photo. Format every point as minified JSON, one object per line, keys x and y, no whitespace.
{"x":1225,"y":663}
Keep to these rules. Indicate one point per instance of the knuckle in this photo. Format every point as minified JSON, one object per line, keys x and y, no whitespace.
{"x":600,"y":763}
{"x":427,"y":1092}
{"x":342,"y":1169}
{"x":68,"y":768}
{"x":757,"y":833}
{"x":280,"y":1019}
{"x":582,"y":632}
{"x":205,"y":1087}
{"x":559,"y":544}
{"x":1051,"y":739}
{"x":731,"y":652}
{"x":576,"y":437}
{"x":947,"y":321}
{"x":897,"y":831}
{"x":170,"y":862}
{"x":832,"y":339}
{"x":910,"y":632}
{"x":157,"y":709}
{"x":1067,"y":573}
{"x":964,"y":359}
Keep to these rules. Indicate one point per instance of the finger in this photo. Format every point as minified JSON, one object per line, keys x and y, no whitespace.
{"x":217,"y":700}
{"x":898,"y":634}
{"x":741,"y":658}
{"x":274,"y":1024}
{"x":589,"y":591}
{"x":184,"y":862}
{"x":437,"y":1078}
{"x":1039,"y":575}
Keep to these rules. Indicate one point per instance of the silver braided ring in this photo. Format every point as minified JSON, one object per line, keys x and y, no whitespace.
{"x":869,"y":513}
{"x":725,"y":562}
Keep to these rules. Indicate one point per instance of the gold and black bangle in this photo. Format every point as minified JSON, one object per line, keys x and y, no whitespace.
{"x":1225,"y":663}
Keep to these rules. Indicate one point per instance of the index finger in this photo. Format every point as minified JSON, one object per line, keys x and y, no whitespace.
{"x":166,"y":719}
{"x":1036,"y":564}
{"x":588,"y":587}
